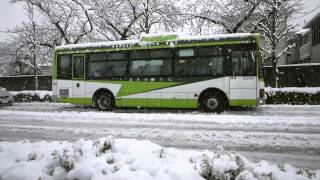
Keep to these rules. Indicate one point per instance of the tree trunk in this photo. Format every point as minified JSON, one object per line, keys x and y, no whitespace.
{"x":274,"y":71}
{"x":35,"y":72}
{"x":146,"y":12}
{"x":274,"y":47}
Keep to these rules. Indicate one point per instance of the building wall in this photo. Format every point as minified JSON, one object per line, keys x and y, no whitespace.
{"x":315,"y":54}
{"x":315,"y":50}
{"x":280,"y":47}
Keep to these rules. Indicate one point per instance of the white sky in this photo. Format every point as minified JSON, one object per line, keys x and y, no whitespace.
{"x":13,"y":14}
{"x":10,"y":16}
{"x":310,"y":9}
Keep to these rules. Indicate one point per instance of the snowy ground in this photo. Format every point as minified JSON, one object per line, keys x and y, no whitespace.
{"x":127,"y":159}
{"x":277,"y":133}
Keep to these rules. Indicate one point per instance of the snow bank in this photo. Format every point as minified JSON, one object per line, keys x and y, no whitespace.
{"x":41,"y":94}
{"x":108,"y":158}
{"x":306,"y":90}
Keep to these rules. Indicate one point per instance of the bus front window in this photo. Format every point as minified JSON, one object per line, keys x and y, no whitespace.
{"x":243,"y":64}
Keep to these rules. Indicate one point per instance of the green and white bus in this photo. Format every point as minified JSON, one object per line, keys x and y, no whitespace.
{"x":209,"y":72}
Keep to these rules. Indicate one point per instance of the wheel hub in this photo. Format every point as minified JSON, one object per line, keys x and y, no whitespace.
{"x":212,"y":103}
{"x":103,"y":102}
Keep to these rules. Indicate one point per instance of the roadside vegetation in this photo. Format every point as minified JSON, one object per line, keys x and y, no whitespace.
{"x":109,"y":158}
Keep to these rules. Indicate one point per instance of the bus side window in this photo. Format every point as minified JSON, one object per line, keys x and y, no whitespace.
{"x":78,"y":67}
{"x":150,"y":68}
{"x":64,"y":67}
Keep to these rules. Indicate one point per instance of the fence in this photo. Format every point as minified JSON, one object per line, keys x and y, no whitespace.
{"x":297,"y":75}
{"x":19,"y":83}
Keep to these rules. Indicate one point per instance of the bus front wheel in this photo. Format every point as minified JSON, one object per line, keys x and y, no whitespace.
{"x":105,"y":102}
{"x":213,"y":102}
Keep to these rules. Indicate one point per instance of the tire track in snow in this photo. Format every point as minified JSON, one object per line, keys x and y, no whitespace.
{"x":273,"y":129}
{"x":237,"y":140}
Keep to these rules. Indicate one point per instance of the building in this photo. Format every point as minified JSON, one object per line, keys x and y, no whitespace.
{"x":300,"y":66}
{"x":310,"y":49}
{"x":307,"y":49}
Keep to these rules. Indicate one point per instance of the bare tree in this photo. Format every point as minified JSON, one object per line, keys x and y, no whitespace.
{"x":114,"y":19}
{"x":69,"y":18}
{"x":31,"y":46}
{"x":8,"y":65}
{"x":160,"y":15}
{"x":119,"y":20}
{"x":231,"y":16}
{"x":26,"y":48}
{"x":274,"y":28}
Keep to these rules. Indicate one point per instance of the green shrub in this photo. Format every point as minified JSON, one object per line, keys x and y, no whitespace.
{"x":296,"y":98}
{"x":30,"y":97}
{"x":65,"y":161}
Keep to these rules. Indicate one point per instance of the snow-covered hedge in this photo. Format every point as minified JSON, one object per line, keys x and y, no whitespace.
{"x":30,"y":96}
{"x":124,"y":159}
{"x":293,"y":95}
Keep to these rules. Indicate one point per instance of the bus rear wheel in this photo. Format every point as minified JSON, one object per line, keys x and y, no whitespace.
{"x":213,"y":103}
{"x":105,"y":102}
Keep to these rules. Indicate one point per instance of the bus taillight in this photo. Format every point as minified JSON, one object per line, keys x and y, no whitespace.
{"x":261,"y":93}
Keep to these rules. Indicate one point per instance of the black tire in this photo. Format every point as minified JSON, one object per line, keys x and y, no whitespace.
{"x":212,"y":102}
{"x":104,"y":102}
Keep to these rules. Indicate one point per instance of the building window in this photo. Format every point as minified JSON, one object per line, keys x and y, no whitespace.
{"x":316,"y":34}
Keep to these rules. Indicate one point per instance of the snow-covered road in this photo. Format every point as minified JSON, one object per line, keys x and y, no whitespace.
{"x":278,"y":133}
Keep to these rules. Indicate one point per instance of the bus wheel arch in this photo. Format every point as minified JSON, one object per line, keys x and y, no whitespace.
{"x":212,"y":100}
{"x":103,"y":99}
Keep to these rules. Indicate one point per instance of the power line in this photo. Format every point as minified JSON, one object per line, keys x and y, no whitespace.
{"x":308,"y":12}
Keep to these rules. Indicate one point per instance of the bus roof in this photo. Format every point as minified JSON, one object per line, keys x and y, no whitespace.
{"x":165,"y":41}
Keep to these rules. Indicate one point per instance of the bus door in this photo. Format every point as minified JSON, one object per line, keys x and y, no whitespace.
{"x":243,"y":79}
{"x":78,"y":77}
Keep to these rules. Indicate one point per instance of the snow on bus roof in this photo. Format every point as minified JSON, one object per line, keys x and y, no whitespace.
{"x":215,"y":36}
{"x":97,"y":44}
{"x":157,"y":37}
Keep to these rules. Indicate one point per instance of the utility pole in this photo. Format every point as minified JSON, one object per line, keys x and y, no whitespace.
{"x":34,"y":44}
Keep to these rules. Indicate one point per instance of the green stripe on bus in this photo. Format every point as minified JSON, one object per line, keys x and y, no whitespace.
{"x":157,"y":103}
{"x":136,"y":102}
{"x":79,"y":101}
{"x":159,"y":38}
{"x":243,"y":102}
{"x":135,"y":87}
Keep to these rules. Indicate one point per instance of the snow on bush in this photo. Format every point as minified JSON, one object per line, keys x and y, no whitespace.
{"x":108,"y":158}
{"x":293,"y":95}
{"x":28,"y":96}
{"x":305,"y":90}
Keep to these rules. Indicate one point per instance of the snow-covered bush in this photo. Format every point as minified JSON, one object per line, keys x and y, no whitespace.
{"x":108,"y":158}
{"x":292,"y":95}
{"x":31,"y":96}
{"x":217,"y":167}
